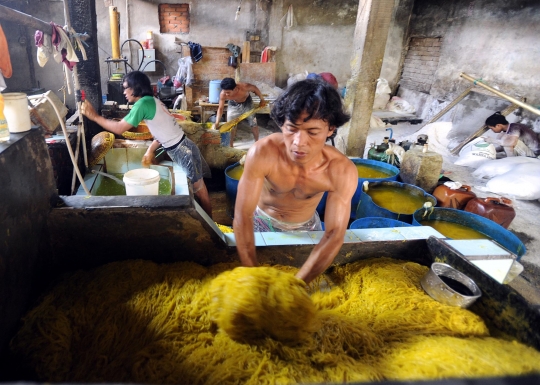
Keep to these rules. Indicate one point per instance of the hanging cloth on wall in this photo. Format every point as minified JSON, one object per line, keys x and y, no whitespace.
{"x":288,"y":21}
{"x":196,"y":51}
{"x":5,"y":61}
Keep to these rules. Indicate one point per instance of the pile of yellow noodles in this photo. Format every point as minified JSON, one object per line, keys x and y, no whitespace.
{"x":140,"y":322}
{"x":250,"y":303}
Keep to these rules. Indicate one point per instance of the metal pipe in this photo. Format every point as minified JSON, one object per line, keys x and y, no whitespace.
{"x":499,"y":93}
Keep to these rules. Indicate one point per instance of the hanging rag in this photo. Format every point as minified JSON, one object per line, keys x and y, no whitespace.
{"x":288,"y":20}
{"x":5,"y":61}
{"x":265,"y":56}
{"x":196,"y":51}
{"x":184,"y":75}
{"x":44,"y":47}
{"x":70,"y":58}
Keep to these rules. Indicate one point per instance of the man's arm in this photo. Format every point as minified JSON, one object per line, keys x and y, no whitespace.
{"x":247,"y":197}
{"x":219,"y":111}
{"x":116,"y":127}
{"x":149,"y":155}
{"x":256,"y":91}
{"x":336,"y":219}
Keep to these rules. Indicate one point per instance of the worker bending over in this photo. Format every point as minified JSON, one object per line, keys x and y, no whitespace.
{"x":286,"y":174}
{"x":515,"y":138}
{"x":164,"y":128}
{"x":239,"y":101}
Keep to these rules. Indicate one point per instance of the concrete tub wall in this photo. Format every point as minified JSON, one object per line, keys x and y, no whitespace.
{"x":27,"y":189}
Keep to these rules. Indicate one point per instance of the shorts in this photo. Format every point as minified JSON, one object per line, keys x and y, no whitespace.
{"x":235,"y":109}
{"x":264,"y":223}
{"x":188,"y":156}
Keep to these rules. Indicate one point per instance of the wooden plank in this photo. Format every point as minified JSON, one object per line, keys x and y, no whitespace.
{"x":258,"y":72}
{"x":246,"y":52}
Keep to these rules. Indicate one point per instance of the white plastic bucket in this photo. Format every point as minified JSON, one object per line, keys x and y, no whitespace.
{"x":142,"y":181}
{"x":215,"y":90}
{"x":16,"y":112}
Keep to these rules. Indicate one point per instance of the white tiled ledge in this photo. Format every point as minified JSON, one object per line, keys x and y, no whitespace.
{"x":351,"y":236}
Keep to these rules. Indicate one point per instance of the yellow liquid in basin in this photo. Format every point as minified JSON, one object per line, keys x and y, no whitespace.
{"x":454,"y":230}
{"x":371,"y":172}
{"x":396,"y":199}
{"x":236,"y":172}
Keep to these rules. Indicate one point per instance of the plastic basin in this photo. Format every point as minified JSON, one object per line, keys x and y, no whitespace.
{"x":393,"y":170}
{"x":376,"y":223}
{"x":367,"y":208}
{"x":476,"y":222}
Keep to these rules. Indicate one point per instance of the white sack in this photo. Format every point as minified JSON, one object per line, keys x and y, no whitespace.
{"x":396,"y":104}
{"x":521,"y":182}
{"x":496,"y":167}
{"x":475,"y":153}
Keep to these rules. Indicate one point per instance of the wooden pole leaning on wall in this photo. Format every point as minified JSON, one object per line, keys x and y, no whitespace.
{"x":520,"y":103}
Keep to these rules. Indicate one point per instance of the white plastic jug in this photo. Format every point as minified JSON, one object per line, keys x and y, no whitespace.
{"x":142,"y":181}
{"x":16,"y":112}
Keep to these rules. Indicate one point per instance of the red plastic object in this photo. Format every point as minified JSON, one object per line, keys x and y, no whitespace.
{"x":499,"y":210}
{"x":453,"y":199}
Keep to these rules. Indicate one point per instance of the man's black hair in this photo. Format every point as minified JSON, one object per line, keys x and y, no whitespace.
{"x":139,"y":83}
{"x":496,"y":118}
{"x":228,"y":84}
{"x":315,"y":97}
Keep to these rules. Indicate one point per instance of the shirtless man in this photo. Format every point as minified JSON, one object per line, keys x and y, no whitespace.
{"x":239,"y":98}
{"x":286,"y":174}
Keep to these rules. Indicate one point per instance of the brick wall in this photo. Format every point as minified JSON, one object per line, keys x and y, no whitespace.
{"x":173,"y":18}
{"x":420,"y":64}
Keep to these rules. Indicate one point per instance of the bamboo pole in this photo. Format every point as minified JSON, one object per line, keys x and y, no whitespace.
{"x":449,"y":106}
{"x":526,"y":106}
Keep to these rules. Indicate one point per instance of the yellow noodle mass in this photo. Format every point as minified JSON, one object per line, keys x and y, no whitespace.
{"x":140,"y":322}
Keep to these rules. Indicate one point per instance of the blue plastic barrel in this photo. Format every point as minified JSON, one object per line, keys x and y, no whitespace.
{"x":231,"y":184}
{"x":385,"y":167}
{"x":367,"y":208}
{"x":476,"y":222}
{"x":376,"y":223}
{"x":215,"y":89}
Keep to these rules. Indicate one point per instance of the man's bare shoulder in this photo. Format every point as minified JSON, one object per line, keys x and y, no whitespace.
{"x":269,"y":146}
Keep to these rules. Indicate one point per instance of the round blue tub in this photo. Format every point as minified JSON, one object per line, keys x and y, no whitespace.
{"x":231,"y":184}
{"x":367,"y":208}
{"x":476,"y":222}
{"x":376,"y":223}
{"x":393,"y":170}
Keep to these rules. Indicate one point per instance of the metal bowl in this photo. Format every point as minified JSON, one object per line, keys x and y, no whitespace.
{"x":454,"y":288}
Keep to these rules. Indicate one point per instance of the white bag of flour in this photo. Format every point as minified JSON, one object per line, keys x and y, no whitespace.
{"x":475,"y":153}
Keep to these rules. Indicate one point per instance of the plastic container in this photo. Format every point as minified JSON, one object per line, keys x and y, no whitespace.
{"x":377,"y":223}
{"x":16,"y":112}
{"x":231,"y":184}
{"x":4,"y":130}
{"x":215,"y":89}
{"x":367,"y":208}
{"x":453,"y":198}
{"x":142,"y":181}
{"x":392,"y":171}
{"x":476,"y":222}
{"x":499,"y":210}
{"x":421,"y":168}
